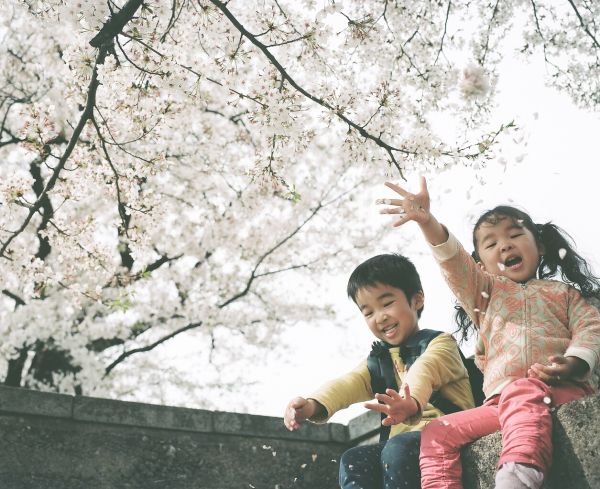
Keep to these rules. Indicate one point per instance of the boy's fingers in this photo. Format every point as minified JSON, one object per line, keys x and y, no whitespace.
{"x":382,"y":408}
{"x":392,"y":394}
{"x":297,"y":403}
{"x":397,"y":188}
{"x":385,"y":398}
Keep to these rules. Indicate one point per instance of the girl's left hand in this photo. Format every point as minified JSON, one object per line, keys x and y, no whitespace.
{"x":413,"y":207}
{"x":560,"y":368}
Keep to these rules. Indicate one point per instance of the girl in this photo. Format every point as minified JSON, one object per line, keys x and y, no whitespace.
{"x":539,"y":340}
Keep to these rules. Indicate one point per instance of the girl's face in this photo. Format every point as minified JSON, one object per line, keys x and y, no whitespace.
{"x":508,"y":248}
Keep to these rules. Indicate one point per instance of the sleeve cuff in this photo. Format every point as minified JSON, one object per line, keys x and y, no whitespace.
{"x":447,"y":250}
{"x":585,"y":354}
{"x":415,"y":418}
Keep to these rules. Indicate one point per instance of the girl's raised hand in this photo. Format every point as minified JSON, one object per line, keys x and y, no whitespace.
{"x":413,"y":207}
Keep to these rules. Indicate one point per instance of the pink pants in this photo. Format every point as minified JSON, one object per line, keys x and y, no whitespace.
{"x":521,"y":411}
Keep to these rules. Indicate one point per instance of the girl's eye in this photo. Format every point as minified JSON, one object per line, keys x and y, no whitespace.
{"x":388,"y":304}
{"x":368,"y":314}
{"x":516,"y":235}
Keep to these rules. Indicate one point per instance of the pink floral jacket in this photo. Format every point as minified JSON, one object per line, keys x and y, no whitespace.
{"x":519,"y":324}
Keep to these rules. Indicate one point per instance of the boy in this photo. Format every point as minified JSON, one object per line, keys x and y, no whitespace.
{"x":387,"y":290}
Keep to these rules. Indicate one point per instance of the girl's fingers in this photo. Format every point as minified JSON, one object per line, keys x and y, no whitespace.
{"x":423,"y":185}
{"x":389,"y":201}
{"x":397,"y":189}
{"x":401,"y":221}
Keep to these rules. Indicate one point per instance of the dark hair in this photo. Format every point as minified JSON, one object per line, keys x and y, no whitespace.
{"x":574,"y":269}
{"x":389,"y":269}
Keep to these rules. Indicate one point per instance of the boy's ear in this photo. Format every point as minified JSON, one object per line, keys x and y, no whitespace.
{"x":418,"y":300}
{"x":481,"y":265}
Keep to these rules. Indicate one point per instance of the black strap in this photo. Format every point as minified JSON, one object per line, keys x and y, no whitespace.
{"x":381,"y":370}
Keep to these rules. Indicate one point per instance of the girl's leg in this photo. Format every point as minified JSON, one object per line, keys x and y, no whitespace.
{"x":360,"y":467}
{"x":400,"y":461}
{"x":443,"y":438}
{"x":524,"y":413}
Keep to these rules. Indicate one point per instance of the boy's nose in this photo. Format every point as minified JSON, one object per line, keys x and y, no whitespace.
{"x":382,"y":317}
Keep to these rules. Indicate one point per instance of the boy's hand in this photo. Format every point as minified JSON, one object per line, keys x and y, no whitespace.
{"x":414,"y":207}
{"x":397,"y":407}
{"x":560,"y":368}
{"x":297,"y":410}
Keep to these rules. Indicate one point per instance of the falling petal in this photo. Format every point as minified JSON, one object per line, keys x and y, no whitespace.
{"x":501,"y":266}
{"x":485,"y":295}
{"x":476,"y":310}
{"x":274,"y":453}
{"x":444,"y":422}
{"x":334,"y":460}
{"x":547,"y":400}
{"x":520,"y":222}
{"x":562,"y":253}
{"x":303,"y":466}
{"x":314,"y":457}
{"x":266,"y":447}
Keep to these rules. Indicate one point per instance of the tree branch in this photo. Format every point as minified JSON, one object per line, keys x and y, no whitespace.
{"x":149,"y":347}
{"x":115,"y":24}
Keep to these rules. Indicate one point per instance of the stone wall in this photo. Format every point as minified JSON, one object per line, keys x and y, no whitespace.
{"x":53,"y":441}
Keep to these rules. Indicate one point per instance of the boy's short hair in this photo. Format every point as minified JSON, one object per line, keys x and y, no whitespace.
{"x":389,"y":269}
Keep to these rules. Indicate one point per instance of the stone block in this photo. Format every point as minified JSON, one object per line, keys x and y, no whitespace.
{"x":143,"y":415}
{"x":24,"y":401}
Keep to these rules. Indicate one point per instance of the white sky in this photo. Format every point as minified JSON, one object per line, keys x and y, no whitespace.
{"x":556,"y":179}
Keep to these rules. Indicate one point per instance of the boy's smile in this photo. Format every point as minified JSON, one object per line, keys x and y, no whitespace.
{"x":388,"y":313}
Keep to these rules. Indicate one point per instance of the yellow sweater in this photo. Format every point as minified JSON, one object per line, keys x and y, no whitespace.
{"x":438,"y":368}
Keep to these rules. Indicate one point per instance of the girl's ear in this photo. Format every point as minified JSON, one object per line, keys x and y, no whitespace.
{"x":418,"y":300}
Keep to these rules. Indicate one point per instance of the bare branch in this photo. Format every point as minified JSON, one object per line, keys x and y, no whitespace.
{"x":149,"y":347}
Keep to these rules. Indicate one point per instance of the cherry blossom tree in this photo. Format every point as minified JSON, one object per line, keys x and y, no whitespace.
{"x":193,"y":168}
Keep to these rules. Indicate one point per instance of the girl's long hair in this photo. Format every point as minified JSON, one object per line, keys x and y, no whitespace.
{"x":559,"y":258}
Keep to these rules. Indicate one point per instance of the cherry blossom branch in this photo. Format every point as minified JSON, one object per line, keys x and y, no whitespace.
{"x":488,"y":33}
{"x":444,"y":33}
{"x":114,"y":25}
{"x":583,"y":24}
{"x":84,"y":117}
{"x":389,"y":149}
{"x":103,"y":41}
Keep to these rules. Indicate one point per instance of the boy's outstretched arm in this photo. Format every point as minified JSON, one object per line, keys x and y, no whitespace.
{"x":398,"y":407}
{"x":299,"y":409}
{"x":415,"y":207}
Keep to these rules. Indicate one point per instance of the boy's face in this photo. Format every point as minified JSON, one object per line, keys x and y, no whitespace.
{"x":389,"y":315}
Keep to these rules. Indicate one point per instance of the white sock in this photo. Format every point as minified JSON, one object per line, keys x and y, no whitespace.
{"x":518,"y":476}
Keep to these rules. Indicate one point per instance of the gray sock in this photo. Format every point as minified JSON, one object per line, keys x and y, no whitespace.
{"x":518,"y":476}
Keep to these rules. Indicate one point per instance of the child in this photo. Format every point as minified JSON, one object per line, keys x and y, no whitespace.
{"x":538,"y":341}
{"x":387,"y":290}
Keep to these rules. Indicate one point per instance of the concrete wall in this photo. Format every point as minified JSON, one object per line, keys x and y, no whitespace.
{"x":53,"y":441}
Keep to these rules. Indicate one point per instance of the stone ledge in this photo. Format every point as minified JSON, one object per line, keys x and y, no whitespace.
{"x":18,"y":401}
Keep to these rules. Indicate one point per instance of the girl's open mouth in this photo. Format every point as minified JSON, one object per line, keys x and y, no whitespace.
{"x":513,"y":262}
